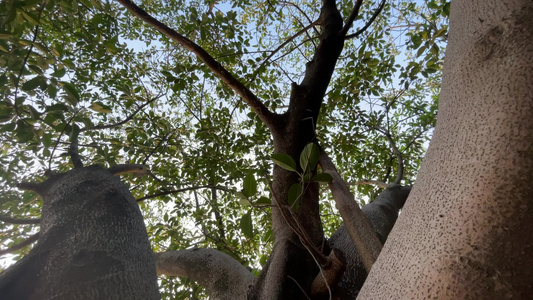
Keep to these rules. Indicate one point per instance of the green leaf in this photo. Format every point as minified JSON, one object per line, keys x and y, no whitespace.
{"x":295,"y":191}
{"x":32,"y":83}
{"x":47,"y":140}
{"x":284,"y":161}
{"x":322,"y":178}
{"x":247,"y":225}
{"x":100,"y":107}
{"x":263,"y":201}
{"x":243,"y":199}
{"x":24,"y":131}
{"x":309,"y":157}
{"x":249,"y":185}
{"x":31,"y":18}
{"x":72,"y":95}
{"x":8,"y":127}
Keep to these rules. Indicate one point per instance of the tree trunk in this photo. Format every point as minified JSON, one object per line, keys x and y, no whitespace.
{"x":93,"y":243}
{"x":465,"y":230}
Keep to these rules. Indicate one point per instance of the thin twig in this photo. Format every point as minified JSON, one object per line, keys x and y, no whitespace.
{"x":378,"y":183}
{"x":35,"y":34}
{"x":396,"y":151}
{"x":182,"y":190}
{"x":59,"y":139}
{"x":299,"y":286}
{"x":127,"y":119}
{"x":254,"y":75}
{"x":372,"y":19}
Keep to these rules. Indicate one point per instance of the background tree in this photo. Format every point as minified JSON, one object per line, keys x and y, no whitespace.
{"x":78,"y":71}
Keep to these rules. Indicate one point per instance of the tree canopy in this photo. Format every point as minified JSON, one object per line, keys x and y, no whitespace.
{"x":90,"y":72}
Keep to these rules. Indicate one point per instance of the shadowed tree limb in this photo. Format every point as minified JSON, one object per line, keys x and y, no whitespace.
{"x":363,"y":235}
{"x":220,"y":274}
{"x":251,"y":99}
{"x":22,"y":244}
{"x":19,"y":221}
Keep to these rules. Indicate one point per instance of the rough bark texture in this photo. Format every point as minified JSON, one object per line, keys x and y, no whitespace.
{"x":221,"y":275}
{"x":382,"y":214}
{"x":465,"y":231}
{"x":93,"y":243}
{"x":290,"y":270}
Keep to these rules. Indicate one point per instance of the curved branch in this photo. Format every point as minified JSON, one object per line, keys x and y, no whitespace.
{"x":31,"y":186}
{"x":351,"y":17}
{"x":220,"y":274}
{"x":396,"y":151}
{"x":251,"y":99}
{"x":182,"y":190}
{"x":127,"y":119}
{"x":19,"y":221}
{"x":22,"y":244}
{"x":378,"y":183}
{"x":372,"y":19}
{"x":128,"y":168}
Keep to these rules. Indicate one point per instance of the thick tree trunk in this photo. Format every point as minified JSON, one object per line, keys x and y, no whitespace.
{"x":93,"y":243}
{"x":465,"y":232}
{"x":290,"y":270}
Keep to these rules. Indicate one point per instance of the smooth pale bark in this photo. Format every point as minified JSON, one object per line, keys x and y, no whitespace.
{"x":465,"y":231}
{"x":220,"y":274}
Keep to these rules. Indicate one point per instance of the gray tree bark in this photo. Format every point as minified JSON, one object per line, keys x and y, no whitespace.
{"x":465,"y":231}
{"x":93,"y":243}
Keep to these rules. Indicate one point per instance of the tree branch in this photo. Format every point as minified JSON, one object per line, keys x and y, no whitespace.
{"x":127,"y":119}
{"x":22,"y":244}
{"x":363,"y":236}
{"x":19,"y":221}
{"x":372,"y":19}
{"x":182,"y":190}
{"x":251,"y":99}
{"x":73,"y":151}
{"x":378,"y":183}
{"x":254,"y":75}
{"x":220,"y":274}
{"x":351,"y":17}
{"x":396,"y":151}
{"x":328,"y":278}
{"x":128,"y":168}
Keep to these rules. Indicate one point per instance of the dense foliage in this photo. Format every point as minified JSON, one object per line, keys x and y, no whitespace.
{"x":89,"y":70}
